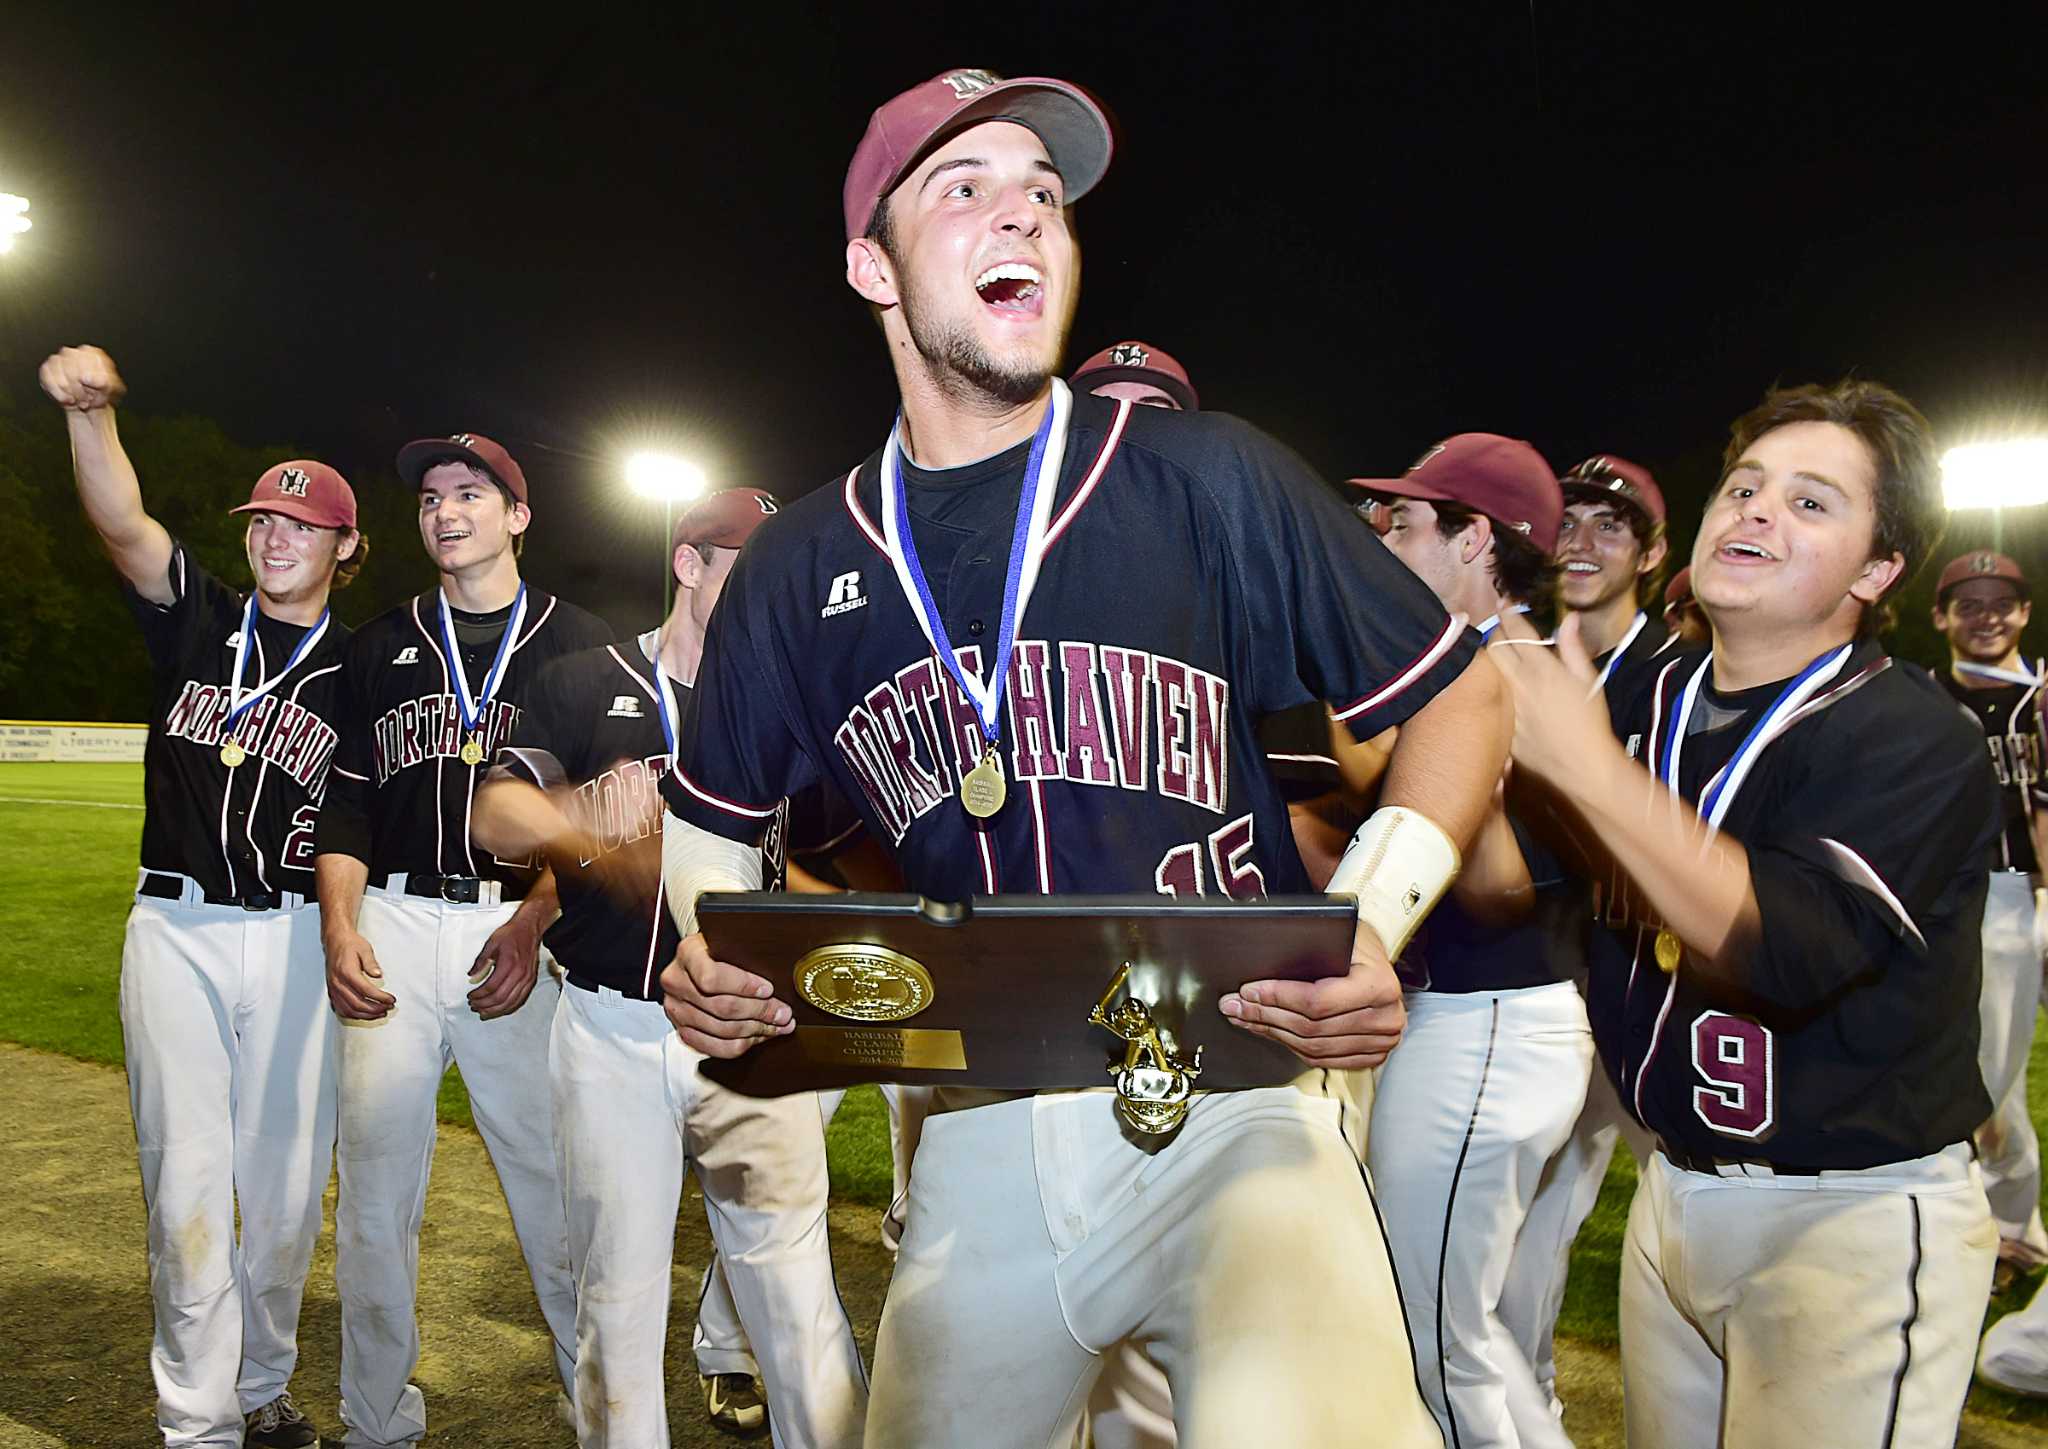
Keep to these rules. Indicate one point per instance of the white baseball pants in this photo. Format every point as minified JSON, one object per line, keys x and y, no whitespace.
{"x":2007,"y":1147}
{"x":1244,"y":1254}
{"x":231,"y":1078}
{"x":1765,"y":1312}
{"x":1566,"y":1195}
{"x":2015,"y":1351}
{"x":1482,"y":1091}
{"x":391,"y":1071}
{"x":631,"y":1113}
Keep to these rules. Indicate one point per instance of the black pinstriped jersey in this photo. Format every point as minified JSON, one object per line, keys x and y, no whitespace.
{"x":592,"y":721}
{"x":401,"y":795}
{"x":1195,"y":578}
{"x":247,"y":830}
{"x":1845,"y":1036}
{"x":2010,"y":716}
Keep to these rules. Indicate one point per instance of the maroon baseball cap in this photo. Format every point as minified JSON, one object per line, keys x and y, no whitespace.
{"x":726,"y":519}
{"x":1980,"y":564}
{"x":416,"y":457}
{"x":308,"y":491}
{"x":1605,"y":476}
{"x":1503,"y":478}
{"x":1062,"y":115}
{"x":1137,"y":362}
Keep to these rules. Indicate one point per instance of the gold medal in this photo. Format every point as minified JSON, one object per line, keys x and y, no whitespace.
{"x":983,"y":791}
{"x":472,"y":751}
{"x":232,"y":754}
{"x":1669,"y":951}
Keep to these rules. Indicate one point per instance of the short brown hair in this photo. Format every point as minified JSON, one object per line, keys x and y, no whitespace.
{"x":346,"y":569}
{"x":1911,"y":516}
{"x":1519,"y":570}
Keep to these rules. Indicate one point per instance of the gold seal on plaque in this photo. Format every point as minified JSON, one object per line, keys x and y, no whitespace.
{"x":863,"y":982}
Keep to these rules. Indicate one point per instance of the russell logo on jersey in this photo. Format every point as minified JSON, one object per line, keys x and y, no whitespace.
{"x":845,"y":596}
{"x":625,"y":706}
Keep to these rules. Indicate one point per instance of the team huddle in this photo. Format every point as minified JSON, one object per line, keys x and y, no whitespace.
{"x":1720,"y":880}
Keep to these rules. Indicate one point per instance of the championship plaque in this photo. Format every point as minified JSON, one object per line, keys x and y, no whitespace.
{"x":1020,"y":992}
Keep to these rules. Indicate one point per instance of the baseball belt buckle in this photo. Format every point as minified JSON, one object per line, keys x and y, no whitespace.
{"x":460,"y":890}
{"x":1154,"y":1082}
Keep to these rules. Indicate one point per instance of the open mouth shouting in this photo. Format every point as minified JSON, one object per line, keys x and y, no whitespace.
{"x":1742,"y":551}
{"x":447,"y":537}
{"x":1012,"y":289}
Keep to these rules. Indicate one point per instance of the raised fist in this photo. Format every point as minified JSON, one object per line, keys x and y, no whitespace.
{"x":82,"y":379}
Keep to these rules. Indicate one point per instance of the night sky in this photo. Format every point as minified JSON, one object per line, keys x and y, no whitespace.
{"x":1603,"y":229}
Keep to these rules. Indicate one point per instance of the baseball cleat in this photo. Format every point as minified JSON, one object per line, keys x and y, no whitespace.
{"x":733,"y":1402}
{"x":280,"y":1425}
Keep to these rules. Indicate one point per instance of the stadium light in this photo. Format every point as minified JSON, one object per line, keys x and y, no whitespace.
{"x":13,"y":219}
{"x":2012,"y":473}
{"x":664,"y":477}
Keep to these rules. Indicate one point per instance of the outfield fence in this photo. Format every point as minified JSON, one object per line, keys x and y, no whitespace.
{"x":71,"y":740}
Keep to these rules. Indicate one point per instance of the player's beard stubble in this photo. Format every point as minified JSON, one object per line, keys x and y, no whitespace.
{"x":962,"y":366}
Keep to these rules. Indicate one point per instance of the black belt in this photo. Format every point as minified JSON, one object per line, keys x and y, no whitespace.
{"x":172,"y":888}
{"x":461,"y":890}
{"x":1693,"y":1162}
{"x":591,"y":984}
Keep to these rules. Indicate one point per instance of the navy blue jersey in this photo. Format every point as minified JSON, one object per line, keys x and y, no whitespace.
{"x":402,"y":793}
{"x":1196,"y":578}
{"x":592,"y":722}
{"x":2010,"y":716}
{"x":247,"y":830}
{"x":1847,"y":1036}
{"x":1455,"y":951}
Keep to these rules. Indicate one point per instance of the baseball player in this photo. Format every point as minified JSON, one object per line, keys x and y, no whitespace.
{"x":230,"y":1054}
{"x":1682,"y":616}
{"x":1612,"y":548}
{"x":432,"y":941}
{"x":1981,"y":603}
{"x":1791,"y":1003}
{"x":578,"y":780}
{"x":1030,"y":637}
{"x":1492,"y":1072}
{"x":1137,"y":372}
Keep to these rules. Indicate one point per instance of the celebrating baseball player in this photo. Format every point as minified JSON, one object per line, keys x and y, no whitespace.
{"x":1791,"y":1005}
{"x":1611,"y":555}
{"x":1492,"y":1072}
{"x":230,"y":1053}
{"x":432,"y":941}
{"x":579,"y":779}
{"x":1031,"y":636}
{"x":1982,"y":604}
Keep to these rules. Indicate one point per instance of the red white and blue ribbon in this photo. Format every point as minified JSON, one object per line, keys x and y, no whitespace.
{"x":245,"y":700}
{"x":473,"y":706}
{"x":1027,"y":550}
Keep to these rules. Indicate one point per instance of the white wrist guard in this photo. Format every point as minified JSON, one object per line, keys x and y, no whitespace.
{"x":1398,"y":865}
{"x":694,"y":861}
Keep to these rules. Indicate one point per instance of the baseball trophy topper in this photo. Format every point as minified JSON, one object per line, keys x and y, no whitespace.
{"x":1005,"y":992}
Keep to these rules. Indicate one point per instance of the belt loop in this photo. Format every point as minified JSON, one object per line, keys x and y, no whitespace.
{"x":490,"y":892}
{"x":611,"y":996}
{"x":189,"y":892}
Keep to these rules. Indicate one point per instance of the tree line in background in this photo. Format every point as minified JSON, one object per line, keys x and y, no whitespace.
{"x":69,"y":649}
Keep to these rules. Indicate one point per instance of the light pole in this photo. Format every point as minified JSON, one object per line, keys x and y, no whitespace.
{"x":2010,"y":473}
{"x":673,"y":480}
{"x":13,"y":219}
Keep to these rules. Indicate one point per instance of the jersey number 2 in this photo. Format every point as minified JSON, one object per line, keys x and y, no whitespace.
{"x":1229,"y":855}
{"x":1734,"y":1055}
{"x":298,"y":846}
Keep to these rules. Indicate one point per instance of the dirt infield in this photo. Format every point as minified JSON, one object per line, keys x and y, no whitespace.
{"x":74,"y":1304}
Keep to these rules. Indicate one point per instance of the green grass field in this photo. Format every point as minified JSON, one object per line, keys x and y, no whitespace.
{"x":68,"y":840}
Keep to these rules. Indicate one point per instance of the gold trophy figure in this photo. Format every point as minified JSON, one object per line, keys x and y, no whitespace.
{"x":1153,"y":1082}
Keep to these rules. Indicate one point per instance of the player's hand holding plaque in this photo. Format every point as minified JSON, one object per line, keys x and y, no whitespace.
{"x":1017,"y":993}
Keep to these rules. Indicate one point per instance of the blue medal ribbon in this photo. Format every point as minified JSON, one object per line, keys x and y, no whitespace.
{"x":242,"y":701}
{"x":1048,"y":446}
{"x":1719,"y":793}
{"x":473,"y":708}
